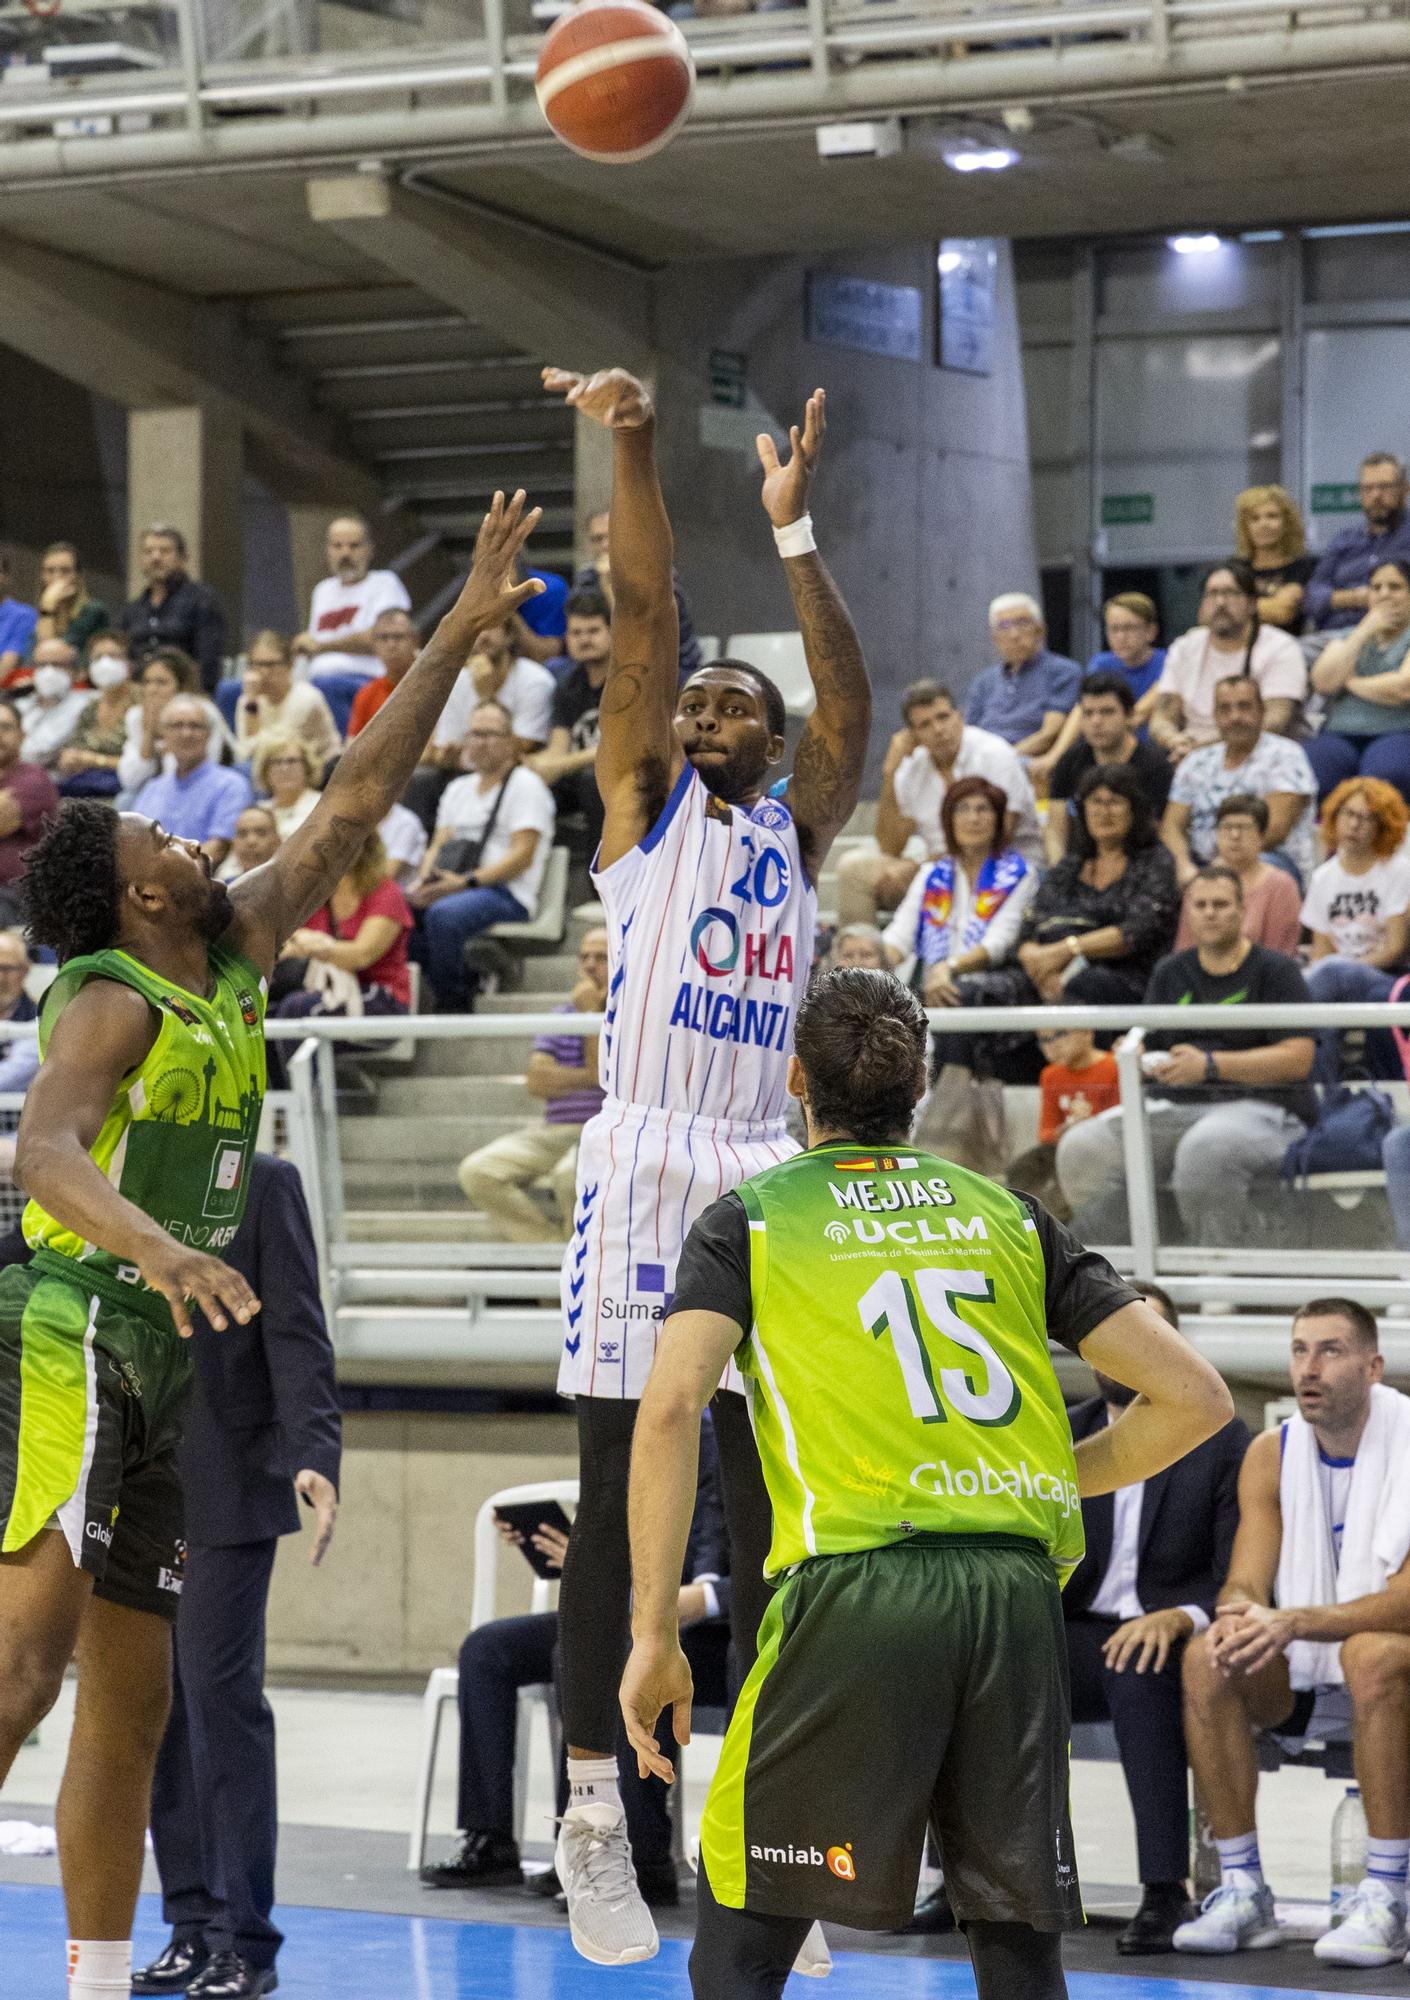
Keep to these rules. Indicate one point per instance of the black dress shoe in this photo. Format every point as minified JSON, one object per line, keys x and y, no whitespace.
{"x":482,"y":1861}
{"x":545,"y":1883}
{"x":1153,"y":1927}
{"x":658,"y":1885}
{"x":933,"y":1916}
{"x":172,"y":1970}
{"x":228,"y":1977}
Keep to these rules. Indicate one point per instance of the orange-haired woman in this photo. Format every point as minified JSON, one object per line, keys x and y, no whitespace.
{"x":1356,"y":909}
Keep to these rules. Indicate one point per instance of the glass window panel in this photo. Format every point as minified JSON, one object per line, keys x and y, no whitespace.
{"x":1355,"y":399}
{"x":1152,"y":280}
{"x":1047,"y":380}
{"x":1342,"y":269}
{"x":1182,"y":426}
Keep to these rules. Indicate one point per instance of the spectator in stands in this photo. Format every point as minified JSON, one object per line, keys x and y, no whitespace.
{"x":562,"y":1071}
{"x":1246,"y":758}
{"x":1224,"y":1105}
{"x":934,"y":746}
{"x":1157,"y":1554}
{"x":965,"y":911}
{"x":1364,"y":676}
{"x":174,"y":610}
{"x":338,"y":643}
{"x":286,"y":770}
{"x":1132,"y":629}
{"x":195,"y":799}
{"x":860,"y":945}
{"x":1229,"y":640}
{"x":405,"y":841}
{"x":499,"y":1658}
{"x":1312,"y":1621}
{"x":485,"y":864}
{"x":1272,"y":900}
{"x":1102,"y":917}
{"x":395,"y":641}
{"x":596,"y":574}
{"x":567,"y":765}
{"x":1078,"y":1081}
{"x":1358,"y":911}
{"x":163,"y":674}
{"x":1026,"y":695}
{"x":256,"y":841}
{"x":87,"y":766}
{"x":66,"y":611}
{"x":495,"y":673}
{"x":18,"y":623}
{"x":350,"y":958}
{"x":27,"y":798}
{"x":1270,"y":538}
{"x":1338,"y":592}
{"x":1105,"y":736}
{"x":273,"y":704}
{"x":19,"y":1059}
{"x":51,"y":712}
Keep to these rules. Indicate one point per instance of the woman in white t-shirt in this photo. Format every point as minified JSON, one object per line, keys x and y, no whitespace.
{"x":485,"y":864}
{"x":1358,"y":910}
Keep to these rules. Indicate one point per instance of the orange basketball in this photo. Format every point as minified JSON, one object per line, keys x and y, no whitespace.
{"x":615,"y":79}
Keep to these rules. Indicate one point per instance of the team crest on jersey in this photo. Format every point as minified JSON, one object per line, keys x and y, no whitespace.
{"x":772,"y":814}
{"x":249,"y":1007}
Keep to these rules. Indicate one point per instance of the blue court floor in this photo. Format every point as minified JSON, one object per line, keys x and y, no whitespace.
{"x":350,"y":1955}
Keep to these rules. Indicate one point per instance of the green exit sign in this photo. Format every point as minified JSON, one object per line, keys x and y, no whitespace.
{"x":1128,"y":510}
{"x":1334,"y":499}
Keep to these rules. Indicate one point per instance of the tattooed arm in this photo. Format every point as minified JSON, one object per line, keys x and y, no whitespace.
{"x":638,"y":756}
{"x":272,"y":901}
{"x":827,"y":771}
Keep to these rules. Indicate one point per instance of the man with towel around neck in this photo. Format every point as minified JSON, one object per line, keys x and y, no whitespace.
{"x":1314,"y":1618}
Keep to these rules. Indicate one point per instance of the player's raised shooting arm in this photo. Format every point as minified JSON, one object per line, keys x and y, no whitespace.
{"x":103,"y":1035}
{"x":638,"y":757}
{"x":1180,"y":1400}
{"x":272,"y":901}
{"x":832,"y":755}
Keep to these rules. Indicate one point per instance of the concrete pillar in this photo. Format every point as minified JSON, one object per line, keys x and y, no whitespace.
{"x":185,"y":466}
{"x":308,"y":540}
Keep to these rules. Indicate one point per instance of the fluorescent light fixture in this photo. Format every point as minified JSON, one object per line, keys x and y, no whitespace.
{"x":949,"y":260}
{"x":980,"y":159}
{"x":1359,"y":229}
{"x":1260,"y":236}
{"x":1195,"y":246}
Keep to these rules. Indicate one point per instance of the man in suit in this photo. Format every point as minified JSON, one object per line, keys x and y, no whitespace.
{"x":262,"y":1427}
{"x":1156,"y":1556}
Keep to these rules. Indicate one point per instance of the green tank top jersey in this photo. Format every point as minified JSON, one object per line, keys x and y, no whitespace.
{"x":898,"y":1363}
{"x":181,"y":1127}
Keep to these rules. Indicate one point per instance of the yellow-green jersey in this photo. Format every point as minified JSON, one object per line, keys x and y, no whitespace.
{"x":181,"y":1127}
{"x":896,"y":1312}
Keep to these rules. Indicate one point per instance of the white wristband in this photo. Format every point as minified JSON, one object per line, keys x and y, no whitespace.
{"x":797,"y":538}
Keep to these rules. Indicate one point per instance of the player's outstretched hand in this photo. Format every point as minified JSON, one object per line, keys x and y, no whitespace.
{"x":612,"y":397}
{"x":490,"y":594}
{"x":188,"y":1277}
{"x":786,"y":481}
{"x":657,"y":1677}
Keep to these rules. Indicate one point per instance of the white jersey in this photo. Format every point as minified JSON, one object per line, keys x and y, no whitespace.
{"x":711,"y":920}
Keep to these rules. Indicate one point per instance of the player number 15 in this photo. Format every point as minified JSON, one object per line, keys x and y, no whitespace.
{"x":890,"y":1306}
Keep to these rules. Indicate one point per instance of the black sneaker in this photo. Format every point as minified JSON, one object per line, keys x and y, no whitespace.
{"x":482,"y":1861}
{"x":657,"y":1883}
{"x":172,"y":1970}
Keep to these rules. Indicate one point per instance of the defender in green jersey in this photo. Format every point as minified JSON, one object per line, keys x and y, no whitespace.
{"x":134,"y":1149}
{"x":891,"y":1314}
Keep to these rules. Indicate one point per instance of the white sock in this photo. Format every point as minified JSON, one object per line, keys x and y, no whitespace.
{"x":1387,"y":1861}
{"x":100,"y":1970}
{"x":1240,"y":1852}
{"x":592,"y":1781}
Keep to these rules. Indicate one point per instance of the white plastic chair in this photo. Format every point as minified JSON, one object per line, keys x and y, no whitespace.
{"x":547,"y":924}
{"x":443,"y":1688}
{"x":780,"y":655}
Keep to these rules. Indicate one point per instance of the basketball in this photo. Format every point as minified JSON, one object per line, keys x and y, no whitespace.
{"x":615,"y":79}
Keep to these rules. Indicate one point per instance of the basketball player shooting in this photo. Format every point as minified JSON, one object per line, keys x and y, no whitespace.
{"x":708,"y":885}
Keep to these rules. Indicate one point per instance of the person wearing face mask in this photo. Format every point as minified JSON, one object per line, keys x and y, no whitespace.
{"x":52,"y":711}
{"x":87,"y":766}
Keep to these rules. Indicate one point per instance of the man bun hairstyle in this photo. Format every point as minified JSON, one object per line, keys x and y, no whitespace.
{"x":861,"y":1038}
{"x":71,"y":887}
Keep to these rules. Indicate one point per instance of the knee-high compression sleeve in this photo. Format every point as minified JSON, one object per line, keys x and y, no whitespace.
{"x":739,"y":1955}
{"x":1015,"y":1962}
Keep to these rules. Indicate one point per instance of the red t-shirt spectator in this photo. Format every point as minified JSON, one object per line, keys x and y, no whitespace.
{"x":389,"y":971}
{"x":1057,"y":1087}
{"x":366,"y":702}
{"x":32,"y":790}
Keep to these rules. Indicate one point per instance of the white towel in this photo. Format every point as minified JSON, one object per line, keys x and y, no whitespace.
{"x":1375,"y":1536}
{"x":21,"y":1836}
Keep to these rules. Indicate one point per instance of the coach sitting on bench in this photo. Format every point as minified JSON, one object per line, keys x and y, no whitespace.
{"x":1156,"y":1555}
{"x":1315,"y":1618}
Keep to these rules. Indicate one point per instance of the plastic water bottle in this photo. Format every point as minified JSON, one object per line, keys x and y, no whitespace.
{"x":1204,"y":1863}
{"x":1348,"y":1849}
